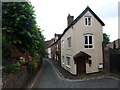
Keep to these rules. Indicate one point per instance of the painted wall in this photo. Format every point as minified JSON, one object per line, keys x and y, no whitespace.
{"x":68,"y":52}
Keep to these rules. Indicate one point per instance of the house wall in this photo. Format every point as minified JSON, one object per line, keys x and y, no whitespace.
{"x":77,"y":36}
{"x":68,"y":52}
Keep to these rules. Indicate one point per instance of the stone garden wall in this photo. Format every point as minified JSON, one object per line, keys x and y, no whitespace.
{"x":16,"y":79}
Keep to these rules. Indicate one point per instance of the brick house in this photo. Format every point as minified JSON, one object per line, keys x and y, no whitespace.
{"x":56,"y":48}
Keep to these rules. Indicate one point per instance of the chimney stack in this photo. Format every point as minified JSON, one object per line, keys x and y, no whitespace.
{"x":70,"y":19}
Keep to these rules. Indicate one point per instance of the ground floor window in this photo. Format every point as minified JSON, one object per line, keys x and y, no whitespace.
{"x":68,"y":62}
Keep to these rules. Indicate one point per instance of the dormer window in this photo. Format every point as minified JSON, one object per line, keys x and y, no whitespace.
{"x":87,"y":21}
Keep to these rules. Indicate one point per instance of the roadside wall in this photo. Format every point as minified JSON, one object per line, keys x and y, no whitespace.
{"x":106,"y":59}
{"x":16,"y":79}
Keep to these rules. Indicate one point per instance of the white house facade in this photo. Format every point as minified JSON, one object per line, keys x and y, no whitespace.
{"x":81,"y":44}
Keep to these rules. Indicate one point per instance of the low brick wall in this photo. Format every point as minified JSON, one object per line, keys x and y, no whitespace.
{"x":17,"y":79}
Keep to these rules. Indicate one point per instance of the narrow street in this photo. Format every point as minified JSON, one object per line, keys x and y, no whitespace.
{"x":49,"y":78}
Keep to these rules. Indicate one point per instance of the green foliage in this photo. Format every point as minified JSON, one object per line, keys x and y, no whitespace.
{"x":106,"y":39}
{"x":20,"y":29}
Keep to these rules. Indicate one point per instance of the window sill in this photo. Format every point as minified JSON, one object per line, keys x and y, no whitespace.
{"x":89,"y":48}
{"x":68,"y":48}
{"x":88,"y":25}
{"x":68,"y":66}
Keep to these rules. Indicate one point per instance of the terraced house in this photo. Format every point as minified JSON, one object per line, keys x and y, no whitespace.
{"x":81,"y":44}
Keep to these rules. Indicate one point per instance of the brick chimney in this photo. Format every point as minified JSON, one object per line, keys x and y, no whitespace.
{"x":70,"y":19}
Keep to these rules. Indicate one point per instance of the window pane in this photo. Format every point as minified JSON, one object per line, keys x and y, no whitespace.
{"x":85,"y":21}
{"x":90,"y":46}
{"x":69,"y":41}
{"x":89,"y":21}
{"x":90,"y":39}
{"x":86,"y":46}
{"x":86,"y":40}
{"x":68,"y":61}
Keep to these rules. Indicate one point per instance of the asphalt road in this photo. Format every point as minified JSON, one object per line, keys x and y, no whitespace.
{"x":49,"y":78}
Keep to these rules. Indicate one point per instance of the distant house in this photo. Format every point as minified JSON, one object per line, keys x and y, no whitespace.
{"x":81,"y":43}
{"x":56,"y":49}
{"x":114,"y":44}
{"x":48,"y":47}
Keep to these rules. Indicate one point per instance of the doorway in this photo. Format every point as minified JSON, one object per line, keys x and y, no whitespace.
{"x":81,"y":66}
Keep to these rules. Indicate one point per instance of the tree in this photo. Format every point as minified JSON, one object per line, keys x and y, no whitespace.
{"x":106,"y":39}
{"x":20,"y":29}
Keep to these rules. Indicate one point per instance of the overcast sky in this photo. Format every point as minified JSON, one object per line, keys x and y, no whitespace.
{"x":51,"y":15}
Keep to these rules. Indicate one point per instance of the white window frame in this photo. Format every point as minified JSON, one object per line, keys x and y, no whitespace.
{"x":87,"y":17}
{"x":88,"y":41}
{"x":69,"y":42}
{"x":68,"y":63}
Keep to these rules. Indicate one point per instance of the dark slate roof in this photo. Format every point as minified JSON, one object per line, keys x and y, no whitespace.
{"x":80,"y":16}
{"x":81,"y":54}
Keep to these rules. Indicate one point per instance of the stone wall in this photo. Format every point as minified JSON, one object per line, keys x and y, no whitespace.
{"x":17,"y":79}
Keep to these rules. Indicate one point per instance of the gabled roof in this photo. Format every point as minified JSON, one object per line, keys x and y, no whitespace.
{"x":80,"y":16}
{"x":81,"y":54}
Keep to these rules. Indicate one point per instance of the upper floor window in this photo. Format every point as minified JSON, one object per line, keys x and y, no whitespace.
{"x":69,"y":42}
{"x":87,"y":21}
{"x":88,"y":41}
{"x":62,"y":45}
